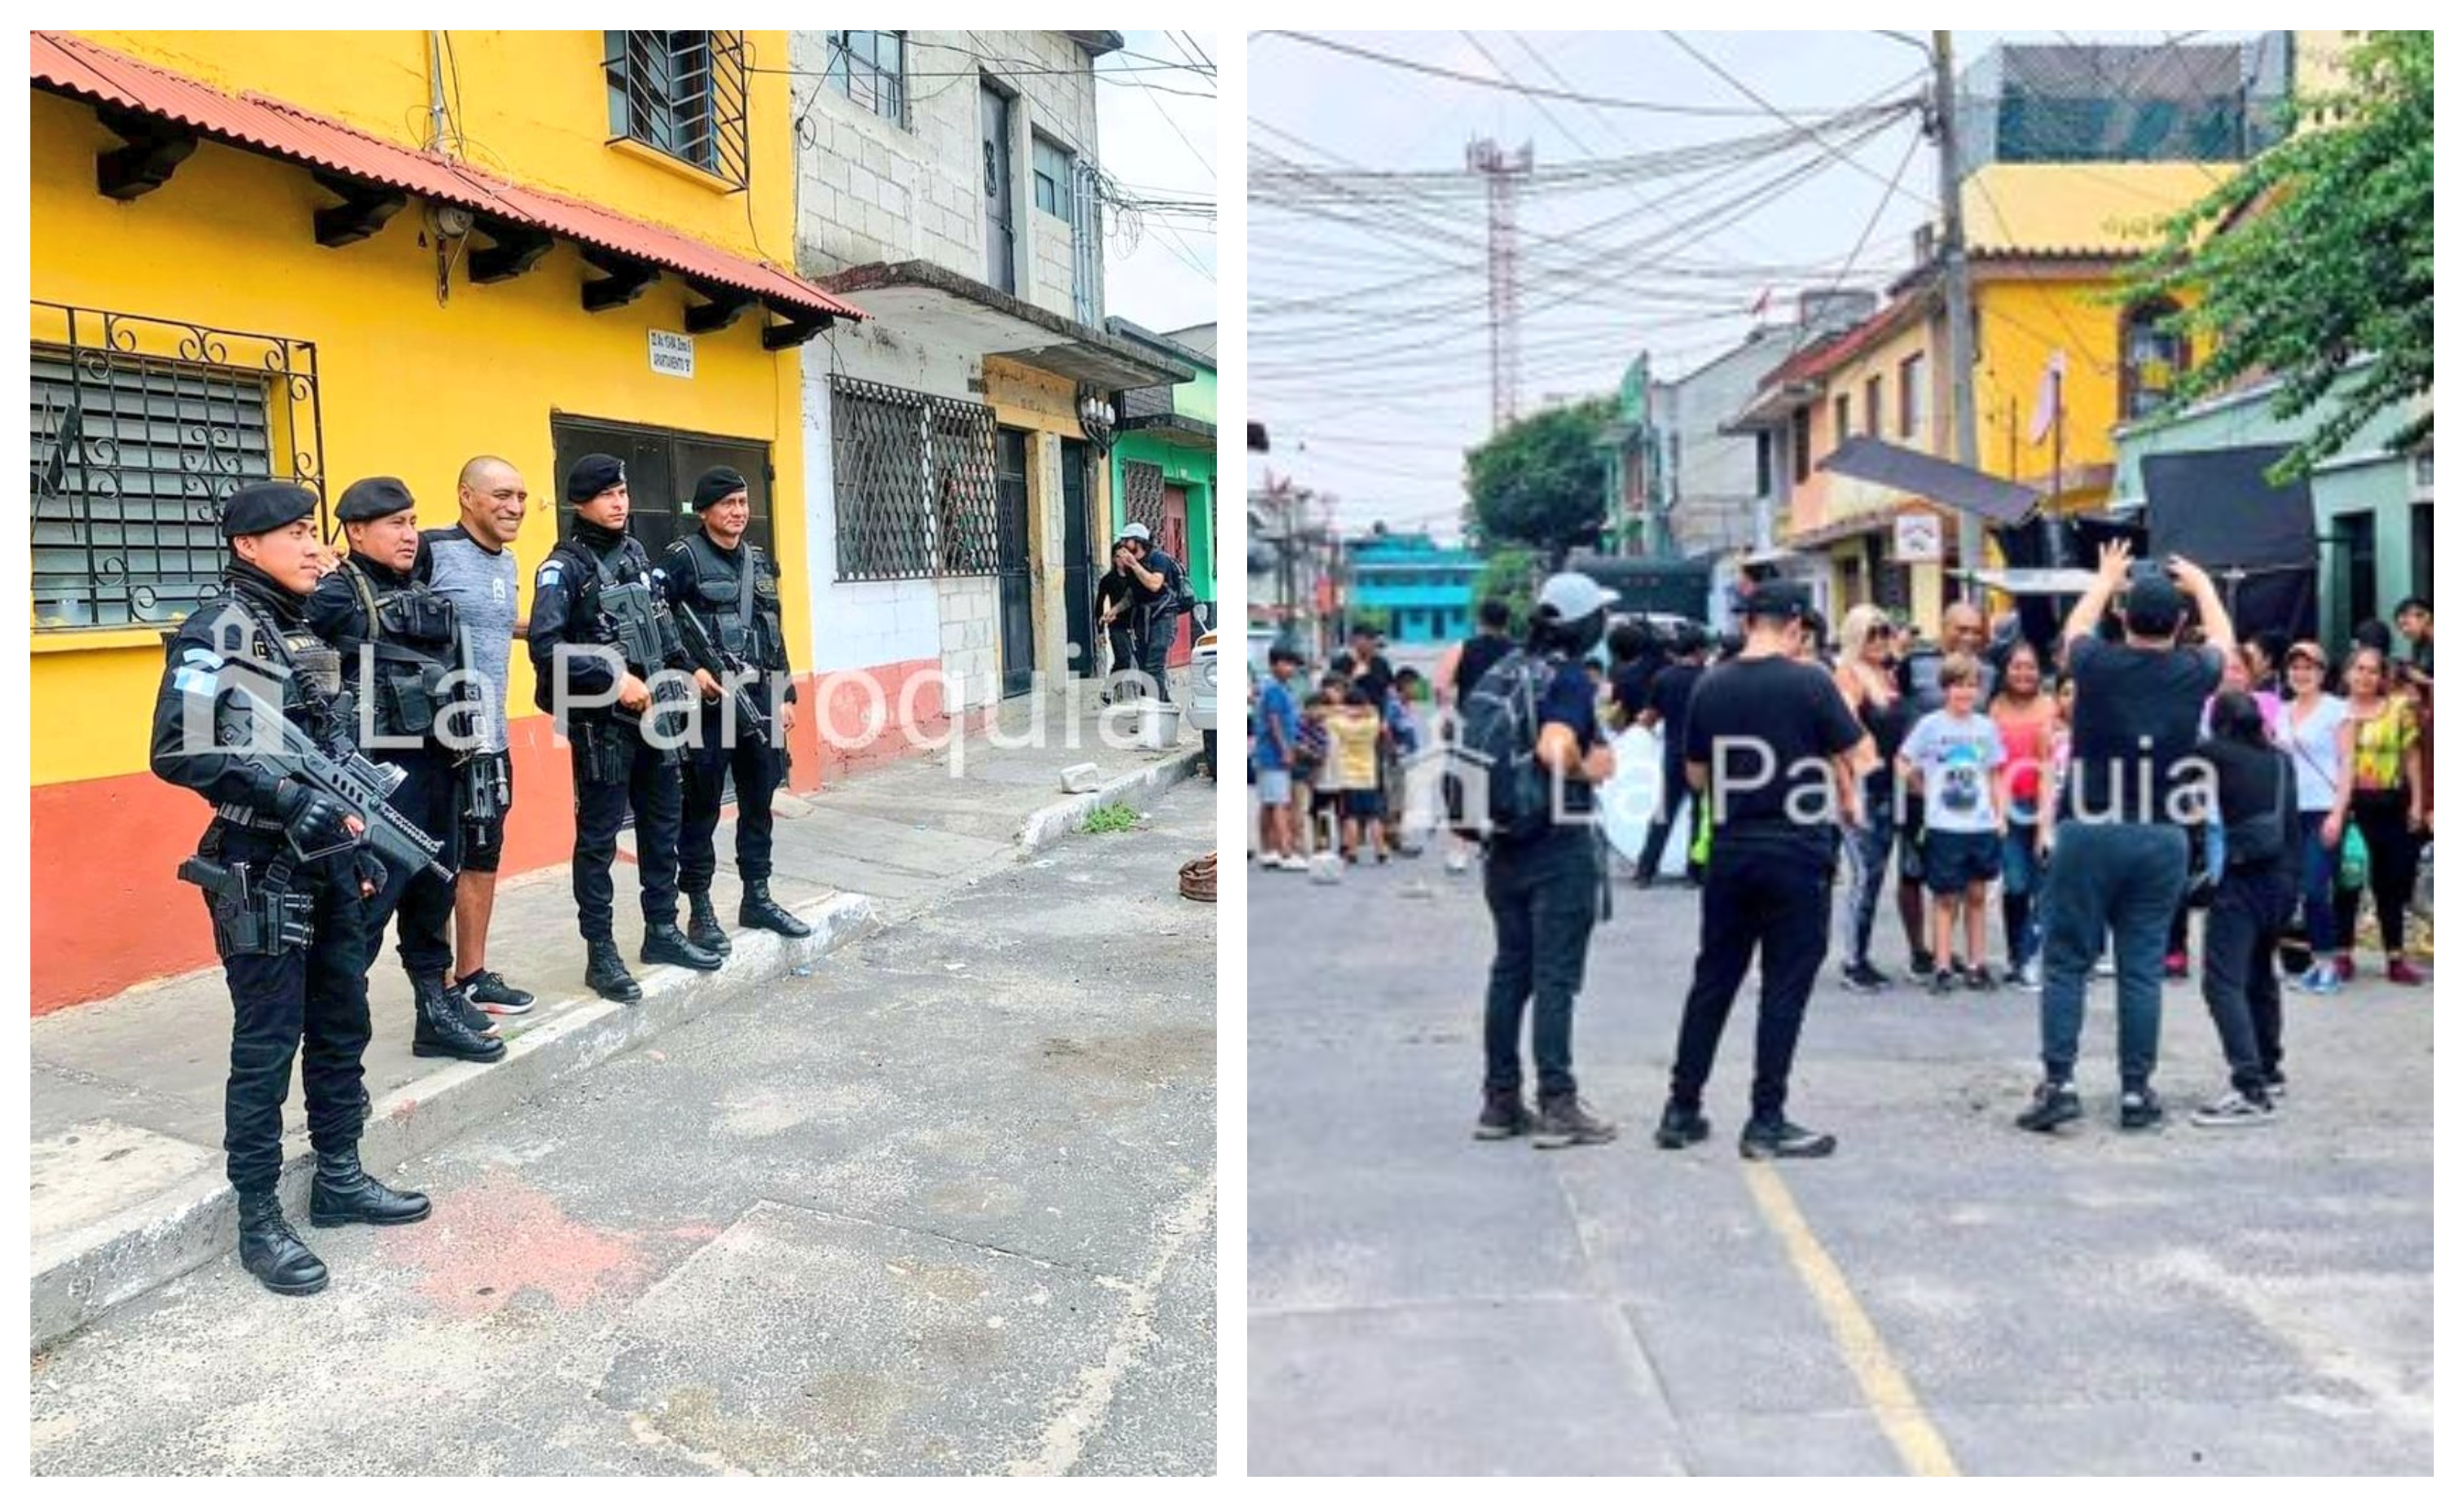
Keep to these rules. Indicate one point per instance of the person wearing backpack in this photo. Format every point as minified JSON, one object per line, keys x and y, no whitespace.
{"x":1531,"y":729}
{"x":2258,"y":804}
{"x":1776,"y":759}
{"x":1161,"y":593}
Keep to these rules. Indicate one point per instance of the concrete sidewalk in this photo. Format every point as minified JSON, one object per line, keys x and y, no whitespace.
{"x":128,"y":1189}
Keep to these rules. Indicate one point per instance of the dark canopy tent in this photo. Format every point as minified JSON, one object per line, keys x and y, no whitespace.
{"x":2259,"y":541}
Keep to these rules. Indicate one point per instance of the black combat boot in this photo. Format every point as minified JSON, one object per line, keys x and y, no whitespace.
{"x":759,"y":909}
{"x":345,"y":1194}
{"x":703,"y":929}
{"x":272,"y":1252}
{"x":442,"y":1029}
{"x":667,"y":944}
{"x":606,"y":974}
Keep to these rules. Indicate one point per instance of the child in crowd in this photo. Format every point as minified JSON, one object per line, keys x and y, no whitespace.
{"x":1954,"y":757}
{"x":1354,"y":729}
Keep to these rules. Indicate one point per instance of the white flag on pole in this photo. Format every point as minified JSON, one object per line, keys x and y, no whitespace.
{"x":2049,"y":398}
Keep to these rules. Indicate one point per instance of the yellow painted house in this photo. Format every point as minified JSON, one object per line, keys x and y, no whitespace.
{"x":2059,"y":362}
{"x":327,"y":255}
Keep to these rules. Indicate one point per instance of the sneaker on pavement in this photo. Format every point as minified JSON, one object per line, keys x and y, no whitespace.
{"x":1944,"y":981}
{"x":2029,"y":977}
{"x":2401,"y":971}
{"x":2322,"y":979}
{"x":1680,"y":1127}
{"x":2142,"y":1109}
{"x":1457,"y":861}
{"x":2056,"y":1105}
{"x":1566,"y":1121}
{"x":1764,"y":1139}
{"x":488,"y":990}
{"x":2234,"y":1108}
{"x":2344,"y":967}
{"x":1921,"y":967}
{"x":1863,"y":978}
{"x":2177,"y":966}
{"x":1980,"y":978}
{"x":2276,"y":1084}
{"x":1503,"y":1116}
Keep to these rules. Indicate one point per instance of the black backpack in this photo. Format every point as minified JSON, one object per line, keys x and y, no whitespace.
{"x":1495,"y":789}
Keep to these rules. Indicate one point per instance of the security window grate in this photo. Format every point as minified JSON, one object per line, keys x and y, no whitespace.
{"x":1142,"y":495}
{"x":684,"y":93}
{"x":914,"y":486}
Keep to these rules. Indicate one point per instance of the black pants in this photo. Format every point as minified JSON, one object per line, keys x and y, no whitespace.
{"x":429,"y":798}
{"x":1154,"y":647}
{"x":1773,"y":898}
{"x":309,"y":1003}
{"x":1124,"y":651}
{"x":2237,"y":972}
{"x":1674,"y":796}
{"x":2395,"y":865}
{"x":1541,"y":896}
{"x":706,"y":769}
{"x":654,"y":793}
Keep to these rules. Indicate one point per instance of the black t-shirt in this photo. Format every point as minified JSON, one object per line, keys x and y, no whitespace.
{"x":1116,"y":588}
{"x":1568,"y":697}
{"x":2256,"y":804}
{"x":1672,"y":693}
{"x":1480,"y":653}
{"x":1374,"y":676}
{"x":1630,"y":686}
{"x":1153,"y":600}
{"x":1782,"y":723}
{"x":2134,"y":724}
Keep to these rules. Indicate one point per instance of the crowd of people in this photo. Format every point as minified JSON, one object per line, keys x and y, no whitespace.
{"x":2099,"y":791}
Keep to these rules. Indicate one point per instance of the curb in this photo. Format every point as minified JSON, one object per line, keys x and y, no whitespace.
{"x":85,"y":1274}
{"x":1060,"y":818}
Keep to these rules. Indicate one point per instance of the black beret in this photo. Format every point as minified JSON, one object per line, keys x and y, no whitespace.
{"x":719,"y":481}
{"x":372,"y":498}
{"x":1780,"y":599}
{"x":591,"y":475}
{"x":261,"y":507}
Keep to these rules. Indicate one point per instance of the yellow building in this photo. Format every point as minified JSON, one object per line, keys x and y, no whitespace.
{"x":2060,"y":360}
{"x":326,"y":255}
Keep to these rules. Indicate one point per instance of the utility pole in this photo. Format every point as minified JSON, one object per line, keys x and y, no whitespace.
{"x":1504,"y":172}
{"x":1957,"y":313}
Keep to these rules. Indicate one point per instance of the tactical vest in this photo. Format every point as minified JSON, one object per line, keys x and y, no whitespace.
{"x":740,"y":600}
{"x":307,"y":670}
{"x":410,"y":631}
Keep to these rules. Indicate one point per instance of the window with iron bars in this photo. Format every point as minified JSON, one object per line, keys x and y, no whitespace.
{"x":139,"y":430}
{"x":913,"y":483}
{"x":871,"y":69}
{"x":684,"y":93}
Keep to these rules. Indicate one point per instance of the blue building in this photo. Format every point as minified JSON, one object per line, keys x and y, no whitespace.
{"x":1422,"y":589}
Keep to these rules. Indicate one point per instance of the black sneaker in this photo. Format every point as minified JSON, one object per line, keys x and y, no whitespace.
{"x":2233,"y":1110}
{"x":2056,"y":1104}
{"x":1762,"y":1140}
{"x":1565,"y":1122}
{"x":1980,"y":979}
{"x":2276,"y":1085}
{"x":1944,"y":981}
{"x":1863,"y":978}
{"x":1920,"y":966}
{"x":2142,"y":1109}
{"x":488,"y":990}
{"x":1680,"y":1127}
{"x":1503,"y":1116}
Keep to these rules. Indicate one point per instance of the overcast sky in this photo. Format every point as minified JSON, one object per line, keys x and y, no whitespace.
{"x":1158,"y":144}
{"x":1374,"y":398}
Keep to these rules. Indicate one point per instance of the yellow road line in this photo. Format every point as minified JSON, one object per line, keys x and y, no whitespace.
{"x":1888,"y":1394}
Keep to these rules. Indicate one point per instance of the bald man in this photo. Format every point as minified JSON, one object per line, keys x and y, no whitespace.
{"x":472,"y":564}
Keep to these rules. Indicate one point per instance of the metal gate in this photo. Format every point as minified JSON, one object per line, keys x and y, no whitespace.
{"x":1077,"y":560}
{"x":1017,"y":583}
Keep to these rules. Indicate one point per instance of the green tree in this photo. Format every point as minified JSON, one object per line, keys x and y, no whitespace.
{"x":1537,"y":482}
{"x":1510,"y":574}
{"x":2318,"y":253}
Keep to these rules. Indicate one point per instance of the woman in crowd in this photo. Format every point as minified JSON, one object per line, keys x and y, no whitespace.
{"x":2311,"y":729}
{"x":2023,"y":711}
{"x":1866,"y":644}
{"x":2382,"y":743}
{"x":2256,"y":811}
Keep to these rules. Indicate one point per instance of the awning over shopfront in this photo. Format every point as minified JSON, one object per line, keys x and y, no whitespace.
{"x":1932,"y":477}
{"x":937,"y":304}
{"x":162,"y":116}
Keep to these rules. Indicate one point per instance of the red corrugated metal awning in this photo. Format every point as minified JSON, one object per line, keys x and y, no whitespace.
{"x":72,"y":65}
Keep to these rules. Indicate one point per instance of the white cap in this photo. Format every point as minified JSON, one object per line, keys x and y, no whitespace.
{"x":1138,"y":531}
{"x":1569,"y":595}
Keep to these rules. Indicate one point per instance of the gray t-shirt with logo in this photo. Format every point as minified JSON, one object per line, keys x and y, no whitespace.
{"x":482,"y":583}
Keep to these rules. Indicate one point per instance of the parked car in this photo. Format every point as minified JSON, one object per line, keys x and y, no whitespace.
{"x":1202,"y":676}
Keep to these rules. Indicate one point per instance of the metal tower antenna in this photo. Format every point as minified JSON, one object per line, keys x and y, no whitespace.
{"x":1504,"y":172}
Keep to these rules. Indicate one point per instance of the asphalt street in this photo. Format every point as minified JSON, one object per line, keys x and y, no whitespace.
{"x":1948,"y":1293}
{"x":945,"y":1204}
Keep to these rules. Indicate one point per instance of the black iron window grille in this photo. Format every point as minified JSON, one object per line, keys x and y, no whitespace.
{"x":871,"y":69}
{"x":913,"y":483}
{"x":684,"y":93}
{"x":141,"y":428}
{"x":1142,"y":495}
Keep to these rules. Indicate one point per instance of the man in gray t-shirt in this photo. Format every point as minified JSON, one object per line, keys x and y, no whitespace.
{"x":473,"y":563}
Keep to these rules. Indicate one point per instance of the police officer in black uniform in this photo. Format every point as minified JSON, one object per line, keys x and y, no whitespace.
{"x":288,"y":930}
{"x":396,"y":639}
{"x":727,"y":587}
{"x":578,"y":652}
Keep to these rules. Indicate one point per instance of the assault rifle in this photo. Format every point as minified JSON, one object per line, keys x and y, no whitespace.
{"x":703,"y":650}
{"x":346,"y":777}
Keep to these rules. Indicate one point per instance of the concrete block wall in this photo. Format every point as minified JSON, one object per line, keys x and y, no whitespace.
{"x":869,"y":189}
{"x":968,"y":608}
